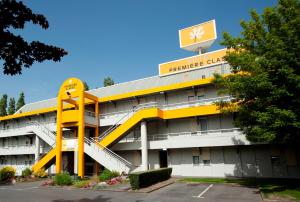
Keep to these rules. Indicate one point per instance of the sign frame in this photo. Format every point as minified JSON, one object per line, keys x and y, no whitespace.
{"x":204,"y":45}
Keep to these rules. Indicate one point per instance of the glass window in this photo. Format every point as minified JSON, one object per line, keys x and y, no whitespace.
{"x":206,"y":162}
{"x":203,"y":125}
{"x":201,"y":97}
{"x":191,"y":98}
{"x":196,"y":160}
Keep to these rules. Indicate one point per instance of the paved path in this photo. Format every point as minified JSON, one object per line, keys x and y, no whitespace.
{"x":177,"y":192}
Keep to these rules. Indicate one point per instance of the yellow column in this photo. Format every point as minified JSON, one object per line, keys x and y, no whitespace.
{"x":59,"y":136}
{"x":81,"y":136}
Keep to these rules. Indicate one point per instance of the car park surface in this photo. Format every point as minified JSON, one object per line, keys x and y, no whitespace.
{"x":177,"y":192}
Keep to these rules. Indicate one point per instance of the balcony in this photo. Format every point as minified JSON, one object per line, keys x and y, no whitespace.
{"x":23,"y":128}
{"x":208,"y":138}
{"x":90,"y":118}
{"x":121,"y":116}
{"x":69,"y":116}
{"x":19,"y":149}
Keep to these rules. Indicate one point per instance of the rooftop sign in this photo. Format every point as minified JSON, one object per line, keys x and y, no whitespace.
{"x":194,"y":62}
{"x":198,"y":36}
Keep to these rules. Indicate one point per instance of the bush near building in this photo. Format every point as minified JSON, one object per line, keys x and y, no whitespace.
{"x":63,"y":179}
{"x":108,"y":175}
{"x":41,"y":173}
{"x":7,"y":173}
{"x":146,"y":178}
{"x":26,"y":172}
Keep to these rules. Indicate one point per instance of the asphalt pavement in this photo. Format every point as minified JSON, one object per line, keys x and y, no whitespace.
{"x":177,"y":192}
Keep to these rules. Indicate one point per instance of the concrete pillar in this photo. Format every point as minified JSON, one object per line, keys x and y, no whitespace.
{"x":37,"y":148}
{"x":75,"y":161}
{"x":144,"y":145}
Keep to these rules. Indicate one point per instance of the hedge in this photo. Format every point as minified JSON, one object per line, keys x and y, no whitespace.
{"x":146,"y":178}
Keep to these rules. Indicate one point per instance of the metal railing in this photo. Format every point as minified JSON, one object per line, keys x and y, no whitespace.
{"x":90,"y":114}
{"x":165,"y":136}
{"x":45,"y":152}
{"x":97,"y":145}
{"x":163,"y":107}
{"x":22,"y":126}
{"x":139,"y":107}
{"x":17,"y":145}
{"x":196,"y":102}
{"x":45,"y":129}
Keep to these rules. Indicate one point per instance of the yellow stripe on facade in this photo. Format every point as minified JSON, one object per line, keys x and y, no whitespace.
{"x":176,"y":86}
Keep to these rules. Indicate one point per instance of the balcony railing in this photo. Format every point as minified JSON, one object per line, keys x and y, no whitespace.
{"x":193,"y":103}
{"x":23,"y":125}
{"x":166,"y":136}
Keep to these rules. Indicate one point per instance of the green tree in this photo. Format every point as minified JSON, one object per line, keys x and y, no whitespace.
{"x":14,"y":50}
{"x":21,"y":101}
{"x":3,"y":105}
{"x":265,"y":84}
{"x":86,"y":86}
{"x":108,"y":81}
{"x":11,"y":106}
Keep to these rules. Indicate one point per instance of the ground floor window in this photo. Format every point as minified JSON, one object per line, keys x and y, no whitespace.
{"x":196,"y":160}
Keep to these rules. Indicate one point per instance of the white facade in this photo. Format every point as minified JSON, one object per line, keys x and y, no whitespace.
{"x":206,"y":146}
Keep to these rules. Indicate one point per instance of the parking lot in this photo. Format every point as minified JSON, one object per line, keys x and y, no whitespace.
{"x":177,"y":192}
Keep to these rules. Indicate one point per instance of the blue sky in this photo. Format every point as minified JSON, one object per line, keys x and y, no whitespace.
{"x":124,"y":39}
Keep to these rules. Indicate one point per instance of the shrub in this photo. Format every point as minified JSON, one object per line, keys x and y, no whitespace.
{"x":26,"y":172}
{"x":7,"y":173}
{"x":63,"y":179}
{"x":107,"y":175}
{"x":41,"y":173}
{"x":146,"y":178}
{"x":81,"y":183}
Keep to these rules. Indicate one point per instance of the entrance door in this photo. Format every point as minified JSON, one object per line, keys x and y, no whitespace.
{"x":163,"y":159}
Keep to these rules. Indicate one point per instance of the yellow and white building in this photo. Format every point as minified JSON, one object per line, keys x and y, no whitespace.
{"x":166,"y":120}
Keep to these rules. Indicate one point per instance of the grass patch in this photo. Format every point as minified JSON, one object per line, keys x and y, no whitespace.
{"x":285,"y":188}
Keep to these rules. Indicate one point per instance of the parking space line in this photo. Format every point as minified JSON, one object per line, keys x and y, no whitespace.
{"x":17,"y":189}
{"x":203,"y":192}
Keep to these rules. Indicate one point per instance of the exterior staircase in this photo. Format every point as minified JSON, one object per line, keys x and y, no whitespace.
{"x":43,"y":132}
{"x":98,"y":149}
{"x":106,"y":157}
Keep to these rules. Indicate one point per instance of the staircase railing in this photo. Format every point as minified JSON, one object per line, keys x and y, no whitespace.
{"x":137,"y":108}
{"x":155,"y":104}
{"x":45,"y":152}
{"x":91,"y":141}
{"x":45,"y":129}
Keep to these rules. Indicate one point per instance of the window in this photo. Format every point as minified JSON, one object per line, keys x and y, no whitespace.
{"x":206,"y":156}
{"x":203,"y":76}
{"x":31,"y":140}
{"x":206,"y":162}
{"x":196,"y":160}
{"x":30,"y":162}
{"x":26,"y":163}
{"x":275,"y":160}
{"x":203,"y":126}
{"x":201,"y":97}
{"x":191,"y":98}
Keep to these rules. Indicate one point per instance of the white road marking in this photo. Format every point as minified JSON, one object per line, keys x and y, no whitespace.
{"x":202,"y":193}
{"x":17,"y":189}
